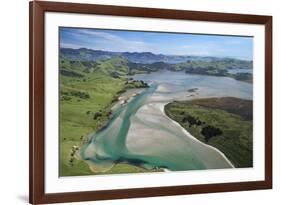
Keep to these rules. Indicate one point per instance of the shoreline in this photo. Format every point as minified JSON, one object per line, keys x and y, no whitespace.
{"x":194,"y":138}
{"x":160,"y":106}
{"x":151,"y":119}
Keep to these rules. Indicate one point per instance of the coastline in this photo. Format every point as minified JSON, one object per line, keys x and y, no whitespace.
{"x":221,"y":122}
{"x":152,"y":133}
{"x":193,"y":138}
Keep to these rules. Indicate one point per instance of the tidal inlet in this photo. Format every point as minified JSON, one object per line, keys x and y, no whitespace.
{"x":159,"y":107}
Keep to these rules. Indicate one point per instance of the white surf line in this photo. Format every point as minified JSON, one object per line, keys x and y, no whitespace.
{"x":192,"y":137}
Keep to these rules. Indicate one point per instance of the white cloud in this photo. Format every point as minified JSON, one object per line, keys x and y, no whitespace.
{"x":107,"y":41}
{"x":69,"y":45}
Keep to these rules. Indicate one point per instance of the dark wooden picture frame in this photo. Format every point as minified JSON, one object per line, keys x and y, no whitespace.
{"x":37,"y":193}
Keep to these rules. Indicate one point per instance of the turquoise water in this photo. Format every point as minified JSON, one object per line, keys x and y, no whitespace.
{"x":108,"y":145}
{"x":170,"y":147}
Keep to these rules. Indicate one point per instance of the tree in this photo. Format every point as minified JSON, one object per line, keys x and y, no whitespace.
{"x":97,"y":115}
{"x":191,"y":120}
{"x":210,"y":131}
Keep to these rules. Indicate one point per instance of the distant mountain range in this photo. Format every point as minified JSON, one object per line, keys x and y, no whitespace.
{"x":84,"y":54}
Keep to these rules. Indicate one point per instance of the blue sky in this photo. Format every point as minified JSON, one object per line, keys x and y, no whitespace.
{"x":158,"y":43}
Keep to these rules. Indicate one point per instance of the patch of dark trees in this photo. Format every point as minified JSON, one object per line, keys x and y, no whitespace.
{"x":70,"y":73}
{"x":207,"y":131}
{"x":136,"y":84}
{"x":66,"y":96}
{"x":114,"y":99}
{"x":143,"y":84}
{"x":191,"y":120}
{"x":79,"y":94}
{"x":243,"y":76}
{"x":207,"y":71}
{"x":210,"y":131}
{"x":89,"y":64}
{"x":115,"y":75}
{"x":97,"y":115}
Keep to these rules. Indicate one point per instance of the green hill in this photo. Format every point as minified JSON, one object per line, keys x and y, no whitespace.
{"x":88,"y":90}
{"x":115,"y":67}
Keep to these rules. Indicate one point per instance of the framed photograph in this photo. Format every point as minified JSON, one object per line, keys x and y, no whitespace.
{"x":138,"y":102}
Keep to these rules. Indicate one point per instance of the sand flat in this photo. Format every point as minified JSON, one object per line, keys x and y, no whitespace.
{"x":152,"y":133}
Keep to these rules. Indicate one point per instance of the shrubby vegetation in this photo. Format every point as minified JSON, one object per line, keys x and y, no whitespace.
{"x":73,"y":93}
{"x":248,"y":77}
{"x":80,"y":94}
{"x":135,"y":84}
{"x":191,"y":120}
{"x":243,"y":108}
{"x":207,"y":131}
{"x":70,"y":73}
{"x":97,"y":115}
{"x":210,"y":131}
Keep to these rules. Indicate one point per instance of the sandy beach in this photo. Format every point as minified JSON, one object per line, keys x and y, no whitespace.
{"x":152,"y":133}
